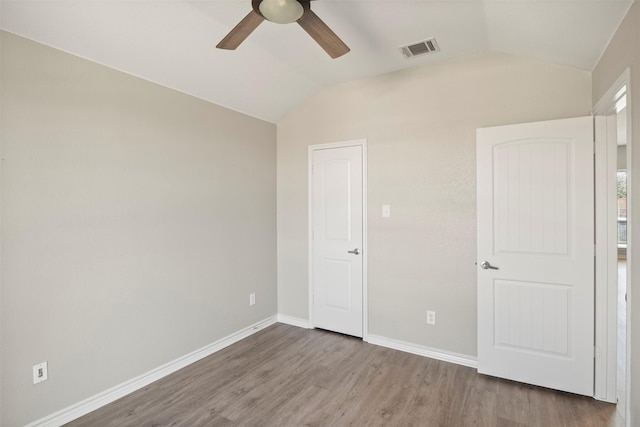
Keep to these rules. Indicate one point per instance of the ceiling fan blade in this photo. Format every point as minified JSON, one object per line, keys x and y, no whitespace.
{"x":241,"y":31}
{"x":321,"y":33}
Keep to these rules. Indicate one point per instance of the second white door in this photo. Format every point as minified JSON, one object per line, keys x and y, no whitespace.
{"x":535,"y":249}
{"x":337,"y":233}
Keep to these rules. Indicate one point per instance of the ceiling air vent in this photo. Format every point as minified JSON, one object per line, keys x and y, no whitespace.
{"x":421,"y":48}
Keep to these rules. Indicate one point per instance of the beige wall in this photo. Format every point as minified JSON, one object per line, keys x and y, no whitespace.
{"x":420,"y":125}
{"x":135,"y":222}
{"x":624,"y":52}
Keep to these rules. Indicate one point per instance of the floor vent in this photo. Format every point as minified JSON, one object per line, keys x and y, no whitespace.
{"x":421,"y":48}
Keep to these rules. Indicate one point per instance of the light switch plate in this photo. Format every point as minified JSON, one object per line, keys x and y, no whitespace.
{"x":386,"y":211}
{"x":40,"y":372}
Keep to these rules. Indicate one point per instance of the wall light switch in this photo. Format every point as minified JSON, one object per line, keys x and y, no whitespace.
{"x":40,"y":372}
{"x":252,"y":299}
{"x":386,"y":211}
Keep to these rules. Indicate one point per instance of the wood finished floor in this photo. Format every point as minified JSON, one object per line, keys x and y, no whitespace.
{"x":287,"y":376}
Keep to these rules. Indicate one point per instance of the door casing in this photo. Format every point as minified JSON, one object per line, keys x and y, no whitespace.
{"x":606,"y":289}
{"x":362,"y":143}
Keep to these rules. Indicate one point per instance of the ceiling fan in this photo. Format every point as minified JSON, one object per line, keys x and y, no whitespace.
{"x":286,"y":12}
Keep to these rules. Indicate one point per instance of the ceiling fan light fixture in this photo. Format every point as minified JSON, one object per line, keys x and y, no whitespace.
{"x":281,"y":11}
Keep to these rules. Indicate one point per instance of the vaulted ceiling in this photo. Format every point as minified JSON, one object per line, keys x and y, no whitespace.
{"x":172,"y":42}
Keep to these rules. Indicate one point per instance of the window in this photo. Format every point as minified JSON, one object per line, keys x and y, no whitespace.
{"x":622,"y":209}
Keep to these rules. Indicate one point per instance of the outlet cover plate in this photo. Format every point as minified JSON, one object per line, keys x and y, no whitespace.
{"x":431,"y":317}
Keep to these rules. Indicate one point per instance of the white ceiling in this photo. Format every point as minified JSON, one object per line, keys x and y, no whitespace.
{"x":172,"y":42}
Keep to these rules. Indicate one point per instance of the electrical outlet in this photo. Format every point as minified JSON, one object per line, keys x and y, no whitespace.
{"x":431,"y":317}
{"x":40,"y":372}
{"x":252,"y":298}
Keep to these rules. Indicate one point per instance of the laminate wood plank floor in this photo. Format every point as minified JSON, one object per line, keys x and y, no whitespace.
{"x":288,"y":376}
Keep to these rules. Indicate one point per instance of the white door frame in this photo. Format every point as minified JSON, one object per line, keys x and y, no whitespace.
{"x":606,"y":287}
{"x":362,"y":143}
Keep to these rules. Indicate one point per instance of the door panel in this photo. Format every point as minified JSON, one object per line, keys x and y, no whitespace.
{"x":530,"y":197}
{"x":337,"y":191}
{"x":535,"y":224}
{"x":532,"y":317}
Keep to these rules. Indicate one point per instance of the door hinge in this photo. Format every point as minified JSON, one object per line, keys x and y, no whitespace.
{"x":596,"y":352}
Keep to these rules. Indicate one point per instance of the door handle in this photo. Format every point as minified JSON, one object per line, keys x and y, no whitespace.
{"x":486,"y":266}
{"x":356,"y":251}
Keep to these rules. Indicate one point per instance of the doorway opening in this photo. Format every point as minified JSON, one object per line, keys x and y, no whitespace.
{"x":614,"y":249}
{"x":621,"y":211}
{"x":614,"y":222}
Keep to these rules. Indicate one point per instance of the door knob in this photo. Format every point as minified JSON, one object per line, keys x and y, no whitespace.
{"x":486,"y":266}
{"x":355,"y":251}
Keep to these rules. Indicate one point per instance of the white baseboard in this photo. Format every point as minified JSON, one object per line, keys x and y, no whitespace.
{"x":294,"y":321}
{"x":99,"y":400}
{"x":445,"y":356}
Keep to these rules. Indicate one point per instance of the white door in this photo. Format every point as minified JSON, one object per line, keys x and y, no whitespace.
{"x":536,"y":232}
{"x":337,"y":233}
